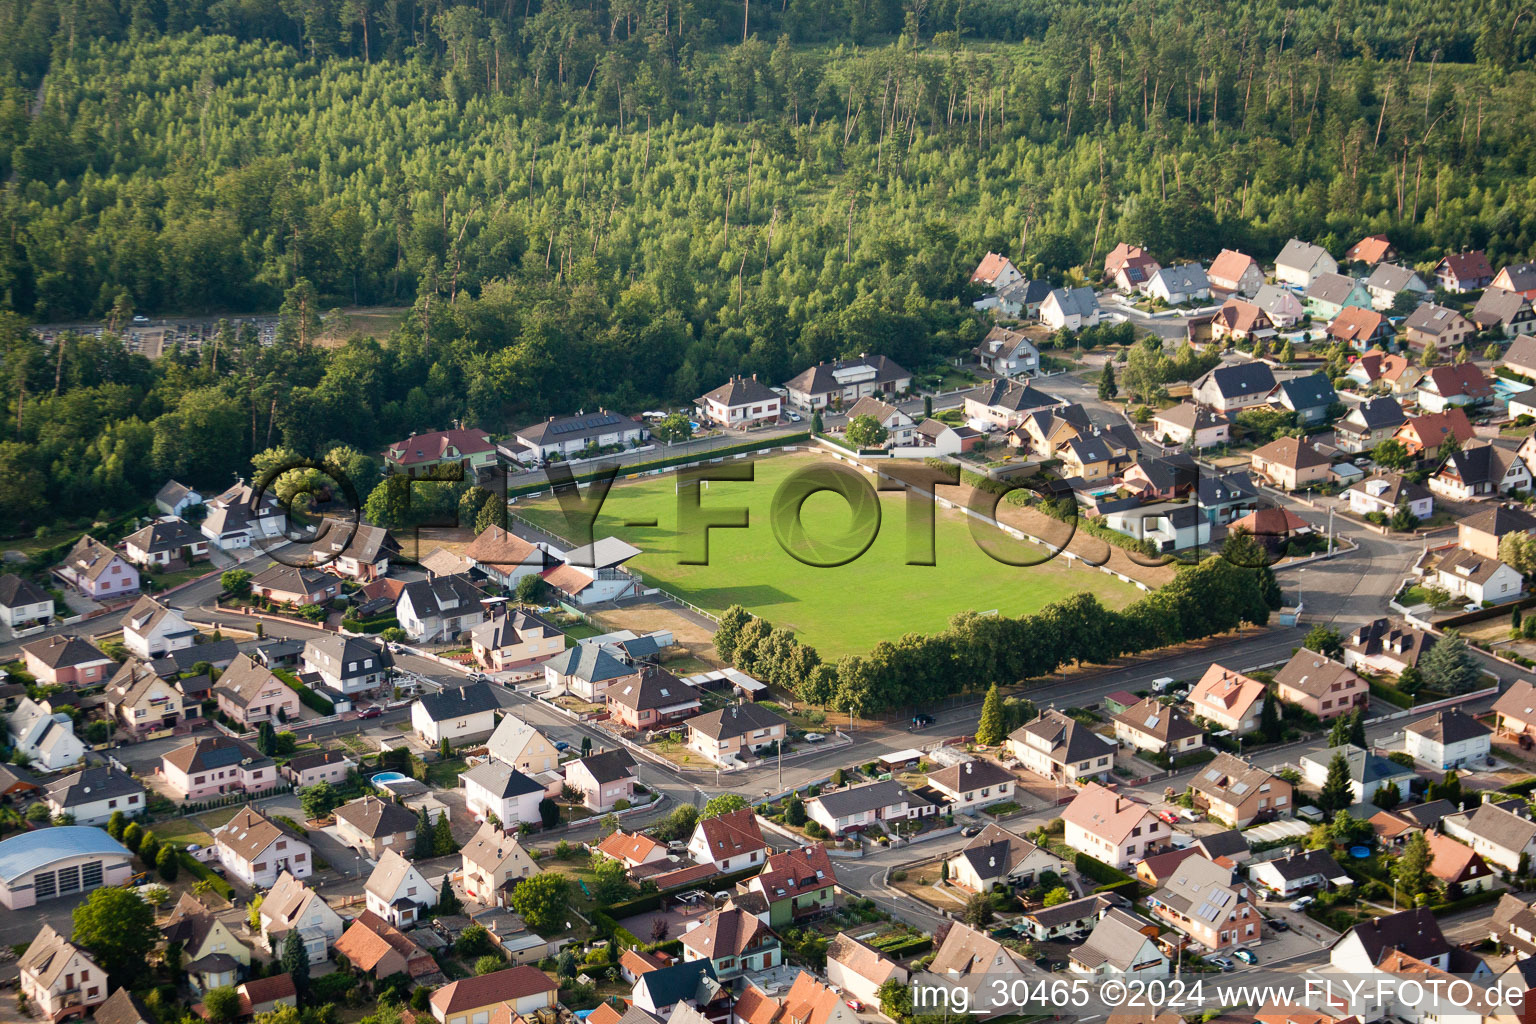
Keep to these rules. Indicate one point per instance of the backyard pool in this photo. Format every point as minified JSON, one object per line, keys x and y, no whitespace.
{"x":385,"y":778}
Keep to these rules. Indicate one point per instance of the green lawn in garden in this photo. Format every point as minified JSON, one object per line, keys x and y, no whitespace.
{"x":839,"y":610}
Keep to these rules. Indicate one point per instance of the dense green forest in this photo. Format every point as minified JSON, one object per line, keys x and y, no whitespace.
{"x":621,"y":203}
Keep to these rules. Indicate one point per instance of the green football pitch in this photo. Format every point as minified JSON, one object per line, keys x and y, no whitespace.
{"x":841,"y":610}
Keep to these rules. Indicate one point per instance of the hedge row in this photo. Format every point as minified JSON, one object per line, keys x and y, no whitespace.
{"x":200,"y":871}
{"x":1391,"y":694}
{"x":1130,"y":888}
{"x":309,"y":698}
{"x":1098,"y":870}
{"x":902,"y":946}
{"x":374,"y":625}
{"x":1477,"y":899}
{"x":676,"y":460}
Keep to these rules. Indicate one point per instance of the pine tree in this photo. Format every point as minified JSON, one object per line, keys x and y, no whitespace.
{"x":989,"y":732}
{"x":1336,"y":794}
{"x":442,"y":838}
{"x":295,"y":959}
{"x":448,"y":900}
{"x":1107,"y":387}
{"x":1269,"y":718}
{"x":1357,"y":729}
{"x":423,"y":834}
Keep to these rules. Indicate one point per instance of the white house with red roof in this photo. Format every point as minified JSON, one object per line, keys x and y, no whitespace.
{"x":731,"y":841}
{"x":1112,"y":828}
{"x":420,"y":454}
{"x":632,"y":849}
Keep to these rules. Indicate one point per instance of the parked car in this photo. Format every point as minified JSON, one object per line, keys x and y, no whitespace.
{"x":140,"y":318}
{"x":971,"y":830}
{"x":1169,"y":817}
{"x":562,"y":746}
{"x":853,"y":1004}
{"x":814,"y":737}
{"x":1303,"y":903}
{"x":1279,"y":924}
{"x":1221,"y":962}
{"x":795,"y":417}
{"x":371,"y":711}
{"x":1189,"y":814}
{"x":1245,"y":955}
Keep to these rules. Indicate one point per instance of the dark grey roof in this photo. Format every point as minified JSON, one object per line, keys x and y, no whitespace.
{"x":1070,"y":740}
{"x":1025,"y":293}
{"x":1081,"y":301}
{"x":677,"y":982}
{"x":442,"y":594}
{"x":1299,"y":254}
{"x":1398,"y":488}
{"x":1414,"y":932}
{"x":870,"y":796}
{"x":609,"y":766}
{"x":822,"y":378}
{"x":1381,"y":413}
{"x":90,"y":785}
{"x":1500,"y":306}
{"x":1224,"y":490}
{"x":589,"y":662}
{"x":338,"y":652}
{"x":216,"y":653}
{"x":1449,"y":726}
{"x":1314,"y":391}
{"x":741,"y":391}
{"x":1479,"y":464}
{"x":1190,"y":277}
{"x":1306,"y":865}
{"x":973,"y":774}
{"x":736,"y":720}
{"x":15,"y":591}
{"x":1223,"y":844}
{"x":164,"y":535}
{"x":292,"y":579}
{"x":1522,"y":276}
{"x":581,"y":426}
{"x":1240,"y":379}
{"x":1432,"y":319}
{"x":316,"y":759}
{"x":1390,"y":277}
{"x":1072,"y":910}
{"x":1331,"y":288}
{"x":465,"y":700}
{"x":1427,"y":815}
{"x":1173,"y":472}
{"x":502,"y":780}
{"x":1016,"y":396}
{"x":123,"y":1007}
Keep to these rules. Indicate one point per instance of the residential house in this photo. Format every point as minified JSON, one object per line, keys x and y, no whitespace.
{"x":1061,"y":748}
{"x":1432,"y":324}
{"x":1360,"y":328}
{"x":732,"y":841}
{"x":1457,"y":867}
{"x":1291,"y":464}
{"x":92,"y":796}
{"x":734,"y":941}
{"x":424,"y":454}
{"x":974,"y":784}
{"x":1385,"y":646}
{"x":349,"y":664}
{"x":356,"y":551}
{"x":1289,"y":876}
{"x":1070,"y":309}
{"x":1515,"y":710}
{"x":58,"y":978}
{"x":60,"y":861}
{"x":1240,"y":793}
{"x":516,"y":743}
{"x":681,"y":985}
{"x":996,"y":271}
{"x":1448,"y":739}
{"x":1423,"y":435}
{"x":1225,"y":498}
{"x":1227,"y":699}
{"x":732,"y":734}
{"x":1281,"y":303}
{"x":152,"y":629}
{"x":1203,"y":901}
{"x":439,"y":609}
{"x":604,"y":779}
{"x":1068,"y":919}
{"x":1179,"y":284}
{"x":1241,"y":321}
{"x":1464,"y":271}
{"x":1445,"y":386}
{"x":1414,"y":932}
{"x":594,"y":573}
{"x":860,"y":970}
{"x":1118,"y":255}
{"x":838,"y":385}
{"x":243,"y":516}
{"x":23,"y":604}
{"x":250,"y":694}
{"x":1510,"y":314}
{"x":1233,"y":271}
{"x":863,"y":807}
{"x":517,"y":992}
{"x":632,"y":849}
{"x":740,"y":403}
{"x":1478,"y":578}
{"x":165,"y":544}
{"x":493,"y":863}
{"x":1320,"y":685}
{"x":1229,"y":846}
{"x":1300,"y":263}
{"x":212,"y":955}
{"x":1008,"y":353}
{"x":587,"y":671}
{"x":47,"y":738}
{"x":1328,"y":294}
{"x":1310,"y":397}
{"x":97,"y":571}
{"x":651,"y":698}
{"x":292,"y":905}
{"x":1191,"y":425}
{"x":396,"y":890}
{"x":328,"y":766}
{"x":294,"y":585}
{"x":898,"y":425}
{"x":996,"y":856}
{"x":379,"y":949}
{"x":258,"y":851}
{"x":1368,"y":771}
{"x":173,"y":498}
{"x":565,"y":437}
{"x":1093,"y":457}
{"x":1498,"y":835}
{"x":1119,"y":945}
{"x":1112,"y":827}
{"x":1019,"y":300}
{"x":496,"y":790}
{"x":1385,"y":493}
{"x":1234,"y":387}
{"x":1156,"y":727}
{"x":945,"y":439}
{"x":1400,"y":375}
{"x":1514,"y":925}
{"x":460,"y":715}
{"x":971,"y":952}
{"x":215,"y":766}
{"x":1371,"y":250}
{"x":1480,"y":531}
{"x":1005,"y":403}
{"x":266,"y":995}
{"x":503,"y":557}
{"x":66,"y":660}
{"x":1389,"y":280}
{"x":1482,"y":470}
{"x":1368,"y":424}
{"x":795,"y":883}
{"x":374,"y":826}
{"x":1517,"y":277}
{"x":1135,"y":274}
{"x":1166,"y":526}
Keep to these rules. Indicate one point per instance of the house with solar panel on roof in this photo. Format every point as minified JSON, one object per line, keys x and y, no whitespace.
{"x":564,"y":437}
{"x":1203,"y":900}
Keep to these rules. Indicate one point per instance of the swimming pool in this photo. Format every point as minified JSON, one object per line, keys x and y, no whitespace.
{"x":385,"y":778}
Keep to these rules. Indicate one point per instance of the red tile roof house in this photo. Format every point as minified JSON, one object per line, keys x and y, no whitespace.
{"x":1464,"y":272}
{"x":731,"y":842}
{"x":525,"y":990}
{"x":66,"y":660}
{"x":266,"y":994}
{"x":795,"y":883}
{"x":632,"y":849}
{"x":97,"y":571}
{"x":1320,"y":685}
{"x":420,"y":454}
{"x":1371,"y":250}
{"x":1113,"y":828}
{"x":250,"y":694}
{"x":651,"y":698}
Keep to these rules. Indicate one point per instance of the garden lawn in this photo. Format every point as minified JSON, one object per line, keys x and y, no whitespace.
{"x":842,"y":610}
